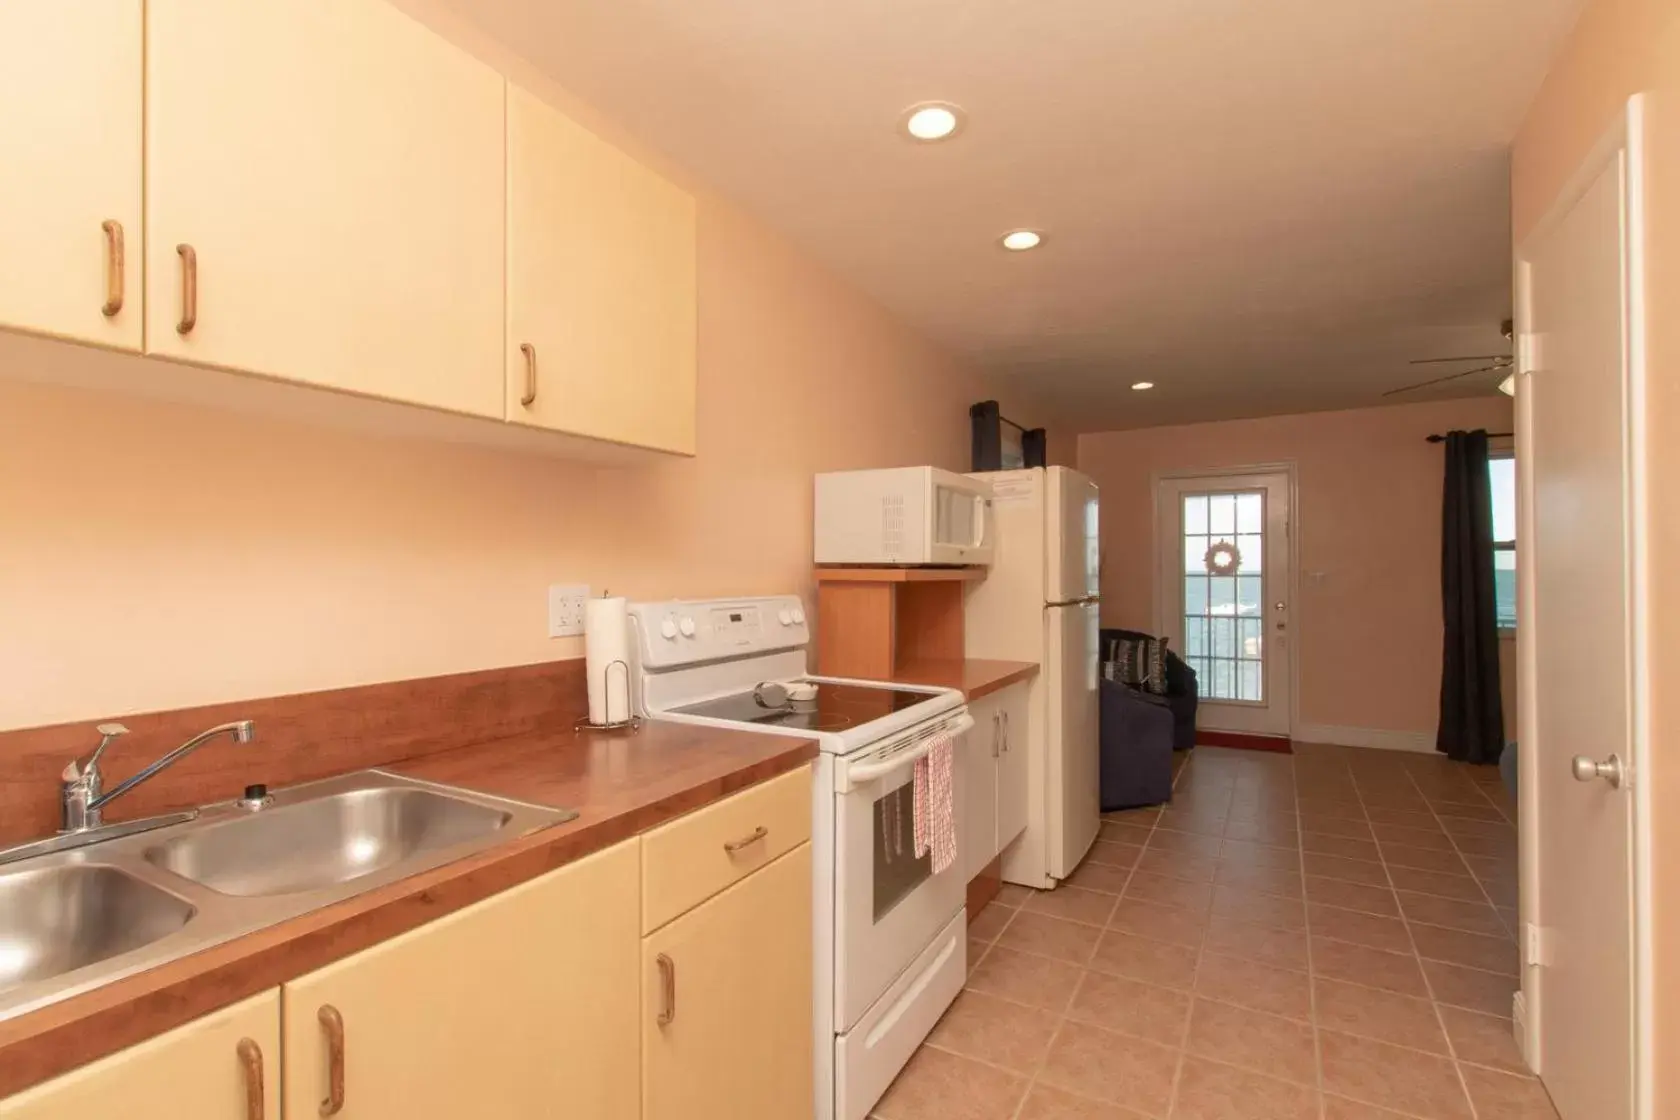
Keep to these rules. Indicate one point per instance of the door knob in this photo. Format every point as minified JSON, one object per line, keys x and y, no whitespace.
{"x":1586,"y":770}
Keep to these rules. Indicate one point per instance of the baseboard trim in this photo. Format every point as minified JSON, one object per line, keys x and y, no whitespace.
{"x":1375,"y":738}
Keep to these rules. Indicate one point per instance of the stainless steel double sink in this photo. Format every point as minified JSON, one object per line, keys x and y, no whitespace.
{"x":75,"y":919}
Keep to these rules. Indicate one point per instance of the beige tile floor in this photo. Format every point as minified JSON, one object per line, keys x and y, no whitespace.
{"x":1323,"y":936}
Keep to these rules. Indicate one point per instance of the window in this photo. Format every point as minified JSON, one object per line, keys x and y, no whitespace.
{"x":1502,"y":477}
{"x":1224,"y":575}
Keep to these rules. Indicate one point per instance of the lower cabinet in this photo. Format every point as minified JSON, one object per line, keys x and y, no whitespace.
{"x":225,"y":1066}
{"x":523,"y":1005}
{"x":727,"y":1028}
{"x":995,"y":779}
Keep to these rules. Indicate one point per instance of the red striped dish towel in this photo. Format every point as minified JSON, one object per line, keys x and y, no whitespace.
{"x":936,"y":815}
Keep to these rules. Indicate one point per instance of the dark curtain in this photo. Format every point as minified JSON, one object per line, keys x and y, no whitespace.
{"x":1472,"y":727}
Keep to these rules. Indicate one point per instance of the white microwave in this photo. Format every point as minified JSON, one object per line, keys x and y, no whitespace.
{"x":904,"y":515}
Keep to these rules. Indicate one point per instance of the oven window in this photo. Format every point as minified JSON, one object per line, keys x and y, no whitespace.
{"x":897,"y":870}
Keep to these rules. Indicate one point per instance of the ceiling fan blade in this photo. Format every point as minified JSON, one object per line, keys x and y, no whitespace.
{"x":1439,"y":380}
{"x":1460,"y":358}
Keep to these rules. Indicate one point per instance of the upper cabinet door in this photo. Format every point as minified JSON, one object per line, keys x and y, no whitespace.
{"x":336,"y":171}
{"x":70,"y":87}
{"x":601,"y":287}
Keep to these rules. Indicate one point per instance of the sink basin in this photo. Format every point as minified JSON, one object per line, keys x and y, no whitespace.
{"x":58,"y":919}
{"x":324,"y":840}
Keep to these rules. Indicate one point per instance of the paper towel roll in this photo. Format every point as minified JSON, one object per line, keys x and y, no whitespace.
{"x":606,"y":639}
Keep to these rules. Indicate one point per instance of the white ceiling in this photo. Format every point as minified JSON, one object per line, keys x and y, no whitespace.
{"x":1263,"y":206}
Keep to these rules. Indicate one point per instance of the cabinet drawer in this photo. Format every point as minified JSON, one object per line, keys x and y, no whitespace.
{"x":692,"y":858}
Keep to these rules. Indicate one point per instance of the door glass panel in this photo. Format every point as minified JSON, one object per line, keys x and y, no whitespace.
{"x":1224,"y":593}
{"x":897,"y":870}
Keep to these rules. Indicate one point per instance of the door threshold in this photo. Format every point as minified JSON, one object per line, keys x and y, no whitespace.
{"x":1244,"y":741}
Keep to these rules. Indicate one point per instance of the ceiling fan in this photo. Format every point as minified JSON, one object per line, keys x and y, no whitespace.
{"x":1500,"y":363}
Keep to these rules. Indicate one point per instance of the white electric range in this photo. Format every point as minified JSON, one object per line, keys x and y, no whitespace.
{"x":891,"y":944}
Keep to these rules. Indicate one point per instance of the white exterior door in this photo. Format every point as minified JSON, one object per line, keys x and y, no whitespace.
{"x":1578,"y":407}
{"x":1225,"y":587}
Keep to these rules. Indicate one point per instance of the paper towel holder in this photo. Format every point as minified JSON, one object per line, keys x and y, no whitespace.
{"x":633,"y":722}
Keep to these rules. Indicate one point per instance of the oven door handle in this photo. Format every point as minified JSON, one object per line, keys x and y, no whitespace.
{"x":861,"y":774}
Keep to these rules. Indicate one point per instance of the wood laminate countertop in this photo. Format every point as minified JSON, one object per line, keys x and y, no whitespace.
{"x":619,"y":784}
{"x":974,"y":677}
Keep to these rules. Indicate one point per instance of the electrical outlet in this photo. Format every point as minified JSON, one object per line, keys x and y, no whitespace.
{"x":565,"y":609}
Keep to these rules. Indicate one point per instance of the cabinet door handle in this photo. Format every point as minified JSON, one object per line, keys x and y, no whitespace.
{"x":753,"y":837}
{"x":997,"y":732}
{"x":114,"y":267}
{"x":251,"y":1057}
{"x":530,"y":396}
{"x":332,"y":1023}
{"x":189,"y":289}
{"x":1005,"y":717}
{"x":667,"y":989}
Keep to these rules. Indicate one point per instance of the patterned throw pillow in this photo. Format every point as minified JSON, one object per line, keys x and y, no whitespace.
{"x":1154,"y":655}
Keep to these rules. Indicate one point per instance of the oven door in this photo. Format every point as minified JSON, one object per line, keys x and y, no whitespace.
{"x":889,"y":905}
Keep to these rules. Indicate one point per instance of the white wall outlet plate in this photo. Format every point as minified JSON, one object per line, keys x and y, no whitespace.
{"x":565,"y":609}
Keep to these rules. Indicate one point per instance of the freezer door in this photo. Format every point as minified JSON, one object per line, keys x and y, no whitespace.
{"x":1073,"y":813}
{"x":1004,"y":610}
{"x":1073,"y":550}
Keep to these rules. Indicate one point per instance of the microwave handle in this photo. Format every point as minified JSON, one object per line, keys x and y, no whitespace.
{"x":982,"y":521}
{"x":859,"y":774}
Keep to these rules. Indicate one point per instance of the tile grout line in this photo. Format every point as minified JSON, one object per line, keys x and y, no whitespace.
{"x":1201,"y":954}
{"x":1312,"y":968}
{"x":1434,"y":1004}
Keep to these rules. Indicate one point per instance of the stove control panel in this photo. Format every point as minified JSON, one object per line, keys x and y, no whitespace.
{"x":681,"y":632}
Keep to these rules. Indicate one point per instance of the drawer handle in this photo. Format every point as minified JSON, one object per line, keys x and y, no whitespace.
{"x":667,"y":989}
{"x":189,"y":289}
{"x":530,"y":353}
{"x":251,"y":1057}
{"x":333,"y":1024}
{"x":757,"y":834}
{"x":114,"y":267}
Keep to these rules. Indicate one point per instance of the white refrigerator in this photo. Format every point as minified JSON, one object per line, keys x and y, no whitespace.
{"x":1039,"y":603}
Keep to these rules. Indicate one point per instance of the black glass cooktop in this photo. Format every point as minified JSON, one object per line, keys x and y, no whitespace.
{"x":836,"y":707}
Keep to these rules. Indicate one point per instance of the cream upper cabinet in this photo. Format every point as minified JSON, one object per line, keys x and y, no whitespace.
{"x":70,"y":149}
{"x":600,"y":287}
{"x":523,"y":1005}
{"x":214,"y":1068}
{"x":727,"y":1019}
{"x":336,"y":171}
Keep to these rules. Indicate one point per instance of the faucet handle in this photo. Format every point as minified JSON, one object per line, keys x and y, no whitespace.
{"x":107,"y":733}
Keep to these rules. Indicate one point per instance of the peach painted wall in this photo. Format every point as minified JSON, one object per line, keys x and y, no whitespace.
{"x":1368,"y":519}
{"x":155,"y":555}
{"x":1619,"y":48}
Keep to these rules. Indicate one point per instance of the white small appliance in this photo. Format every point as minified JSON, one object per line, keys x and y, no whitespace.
{"x":890,"y":934}
{"x":1039,"y":602}
{"x":901,"y":516}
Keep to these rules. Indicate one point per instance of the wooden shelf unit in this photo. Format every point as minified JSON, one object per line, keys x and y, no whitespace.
{"x":871,"y":621}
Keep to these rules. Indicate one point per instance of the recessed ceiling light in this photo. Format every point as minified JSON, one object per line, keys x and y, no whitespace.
{"x":1140,"y":386}
{"x":932,"y":120}
{"x":1020,"y":240}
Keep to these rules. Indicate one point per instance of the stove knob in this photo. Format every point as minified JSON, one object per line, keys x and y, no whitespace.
{"x":786,"y":617}
{"x":798,"y":617}
{"x":687,"y":626}
{"x":669,"y":629}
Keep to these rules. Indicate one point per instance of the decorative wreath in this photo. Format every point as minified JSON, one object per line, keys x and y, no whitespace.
{"x":1222,"y":559}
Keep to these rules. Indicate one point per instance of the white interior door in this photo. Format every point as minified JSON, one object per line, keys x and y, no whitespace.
{"x":1224,"y":591}
{"x":1580,"y":666}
